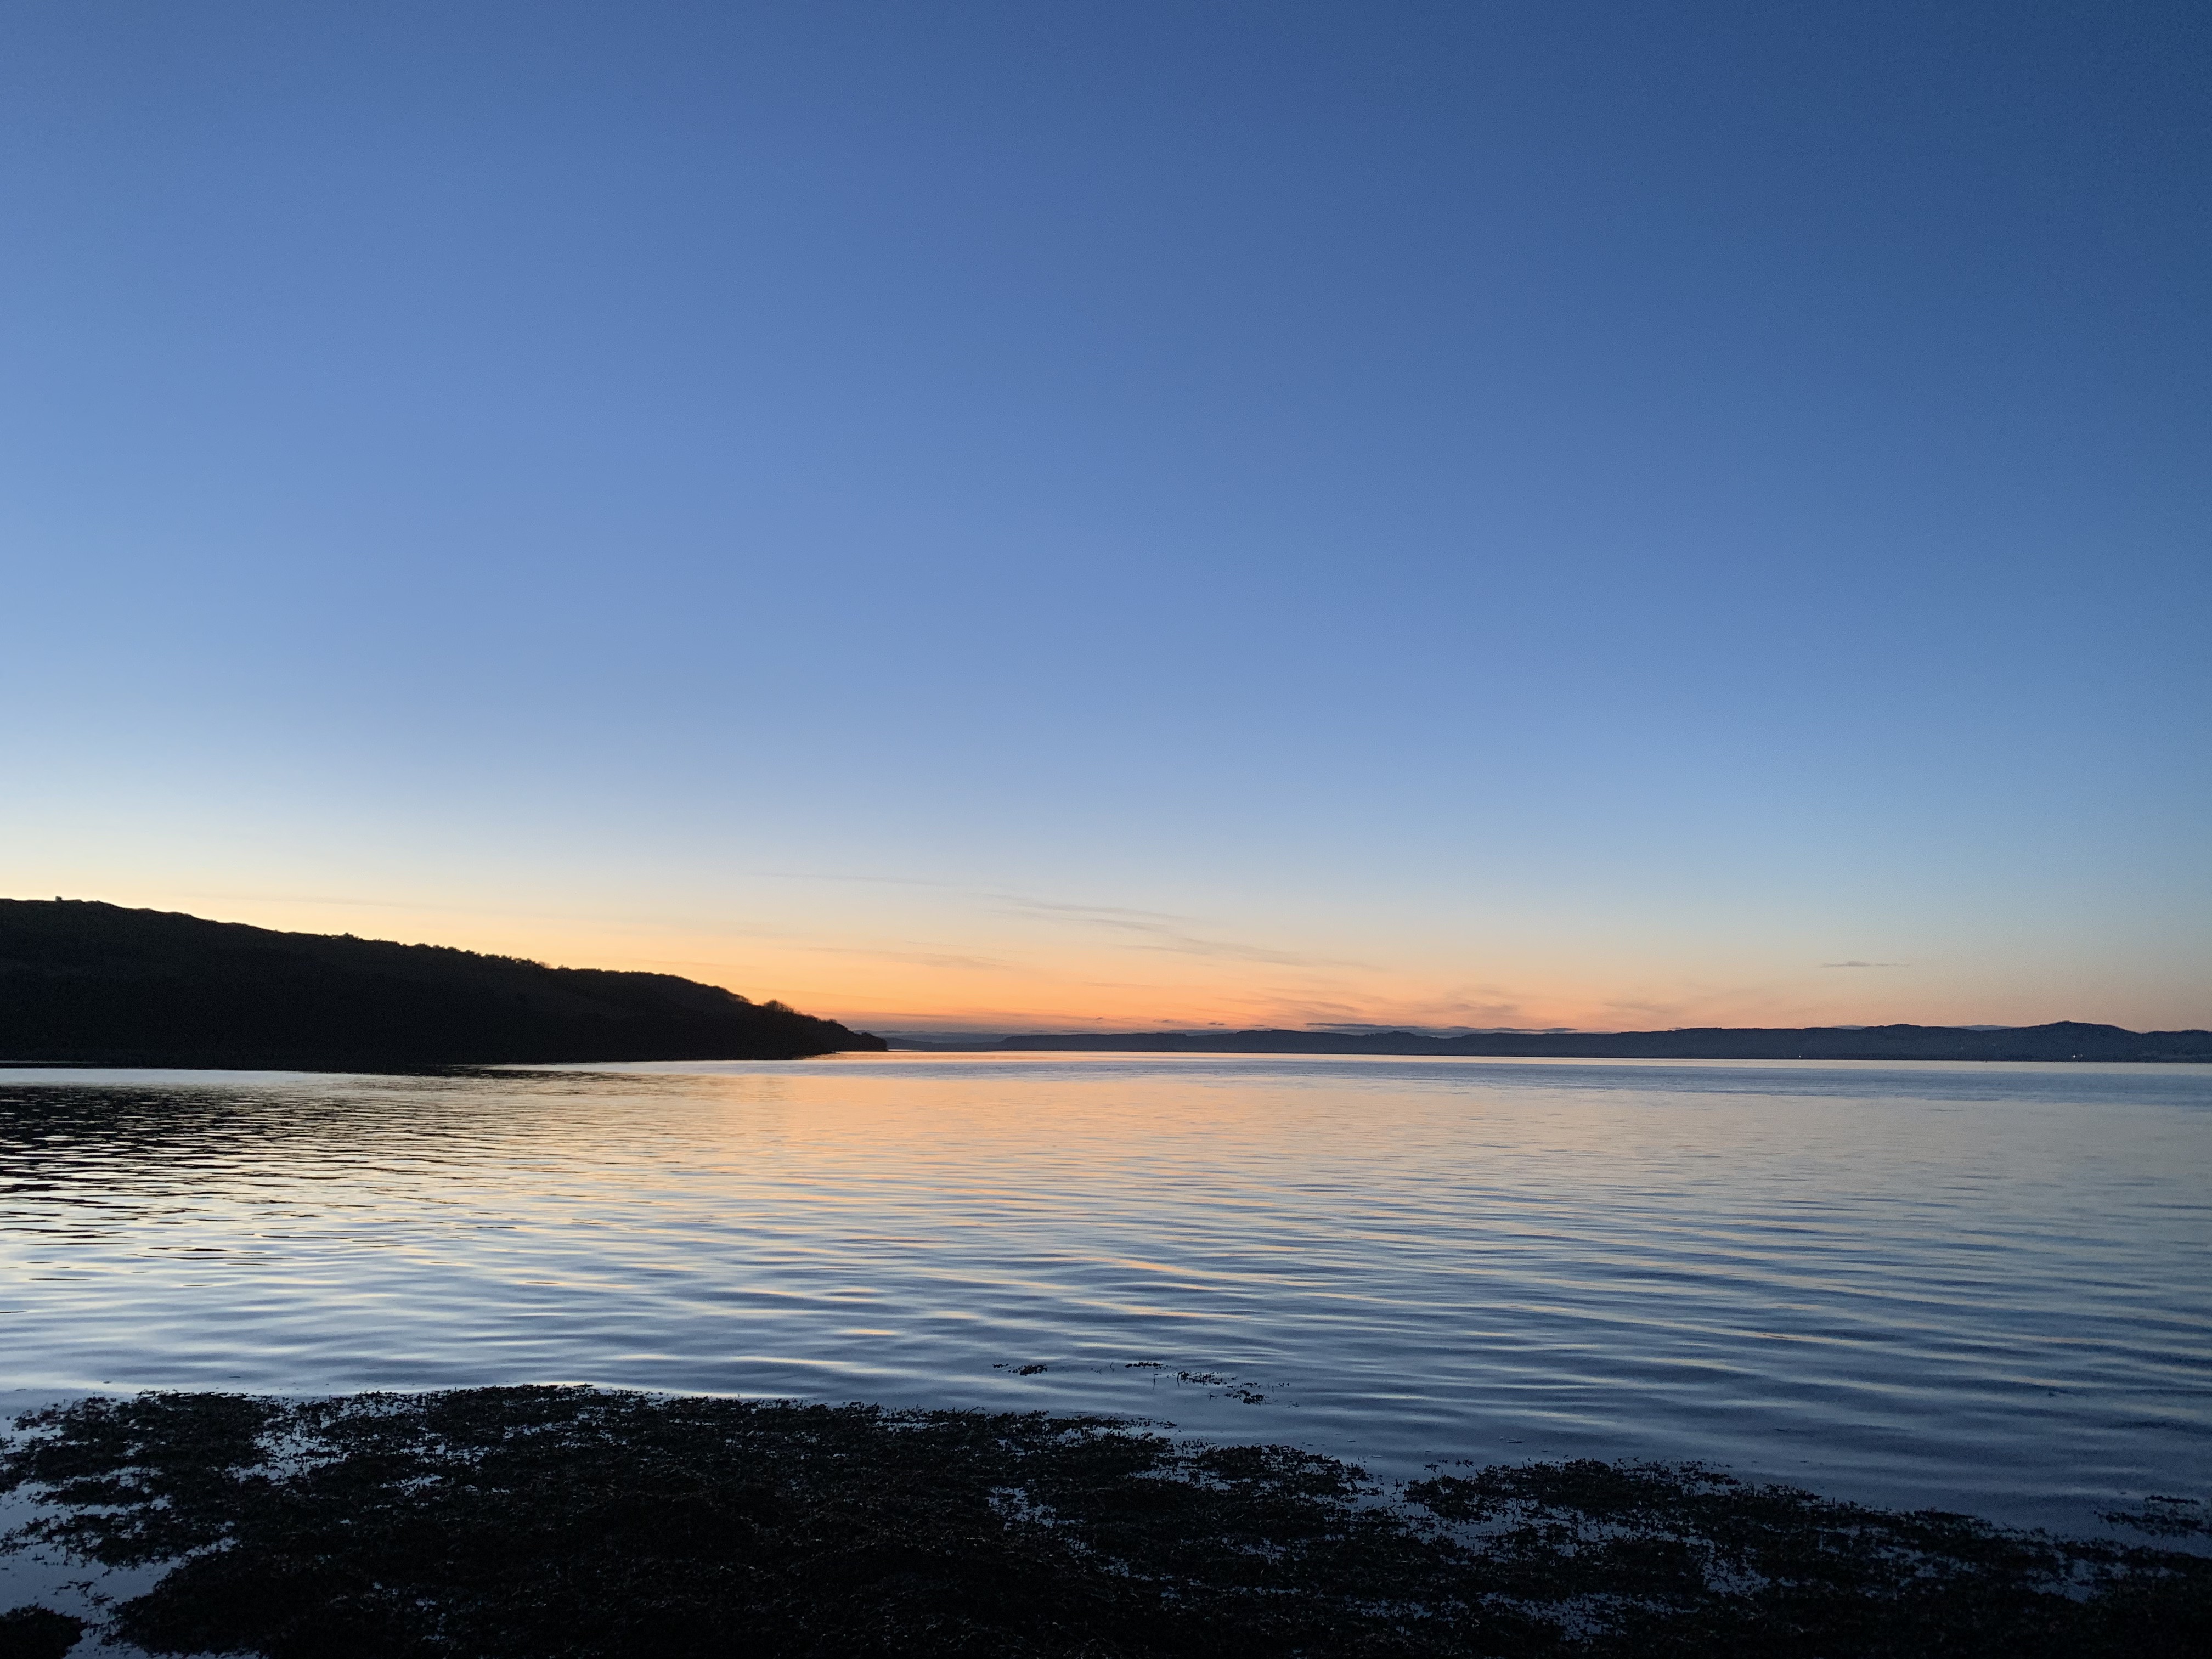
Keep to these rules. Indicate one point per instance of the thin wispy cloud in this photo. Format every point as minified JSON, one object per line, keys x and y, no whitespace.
{"x":1104,"y":913}
{"x":1158,"y":936}
{"x":1866,"y":965}
{"x":912,"y":958}
{"x":1625,"y":1014}
{"x":1154,"y":930}
{"x":1185,"y":945}
{"x":1160,"y":930}
{"x":880,"y":881}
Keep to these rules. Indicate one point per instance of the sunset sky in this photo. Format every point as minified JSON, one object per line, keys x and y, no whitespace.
{"x":1014,"y":516}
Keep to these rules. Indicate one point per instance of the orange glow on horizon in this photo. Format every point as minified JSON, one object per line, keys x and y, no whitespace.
{"x":1124,"y":974}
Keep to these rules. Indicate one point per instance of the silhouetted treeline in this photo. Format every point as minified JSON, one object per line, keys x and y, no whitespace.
{"x":82,"y":982}
{"x":2064,"y":1040}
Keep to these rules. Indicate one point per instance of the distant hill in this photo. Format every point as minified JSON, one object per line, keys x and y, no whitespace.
{"x":82,"y":982}
{"x":2065,"y":1040}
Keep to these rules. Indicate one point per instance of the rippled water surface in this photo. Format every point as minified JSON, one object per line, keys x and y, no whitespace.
{"x":1984,"y":1287}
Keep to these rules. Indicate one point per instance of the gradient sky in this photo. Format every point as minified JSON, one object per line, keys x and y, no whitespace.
{"x":1019,"y":515}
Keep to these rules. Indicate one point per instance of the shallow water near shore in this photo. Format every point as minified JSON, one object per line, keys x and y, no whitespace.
{"x":1978,"y":1287}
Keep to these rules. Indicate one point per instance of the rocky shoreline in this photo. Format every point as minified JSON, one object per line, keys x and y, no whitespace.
{"x":523,"y":1523}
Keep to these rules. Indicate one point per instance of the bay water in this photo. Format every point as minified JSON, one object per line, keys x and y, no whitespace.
{"x":1980,"y":1287}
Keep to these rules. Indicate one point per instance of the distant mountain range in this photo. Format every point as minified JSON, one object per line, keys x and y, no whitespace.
{"x":2064,"y":1040}
{"x":90,"y":983}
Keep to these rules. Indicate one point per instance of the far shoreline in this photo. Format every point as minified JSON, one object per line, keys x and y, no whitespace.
{"x":2061,"y":1040}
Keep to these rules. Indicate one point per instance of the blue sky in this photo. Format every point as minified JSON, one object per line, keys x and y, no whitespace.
{"x":1008,"y":514}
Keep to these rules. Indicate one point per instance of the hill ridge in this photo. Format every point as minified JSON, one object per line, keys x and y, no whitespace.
{"x":85,"y":982}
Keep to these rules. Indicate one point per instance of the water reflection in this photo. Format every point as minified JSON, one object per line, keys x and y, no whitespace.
{"x":1919,"y":1283}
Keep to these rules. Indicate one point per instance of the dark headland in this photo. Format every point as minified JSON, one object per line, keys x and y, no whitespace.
{"x":2061,"y":1040}
{"x":87,"y":984}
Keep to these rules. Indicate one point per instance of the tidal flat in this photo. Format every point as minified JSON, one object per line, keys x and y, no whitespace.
{"x":523,"y":1523}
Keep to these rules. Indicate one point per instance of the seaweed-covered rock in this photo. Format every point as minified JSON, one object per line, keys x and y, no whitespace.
{"x":34,"y":1632}
{"x":540,"y":1523}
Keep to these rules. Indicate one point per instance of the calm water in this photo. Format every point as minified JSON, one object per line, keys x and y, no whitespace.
{"x":1984,"y":1287}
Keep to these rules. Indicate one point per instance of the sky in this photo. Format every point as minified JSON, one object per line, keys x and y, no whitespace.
{"x":1002,"y":517}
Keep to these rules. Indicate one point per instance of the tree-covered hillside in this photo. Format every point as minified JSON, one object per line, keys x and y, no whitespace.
{"x":84,"y":981}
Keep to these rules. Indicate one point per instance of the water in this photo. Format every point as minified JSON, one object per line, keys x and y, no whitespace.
{"x":1980,"y":1287}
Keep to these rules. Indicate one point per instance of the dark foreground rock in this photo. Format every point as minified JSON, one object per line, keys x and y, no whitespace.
{"x":534,"y":1522}
{"x":38,"y":1633}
